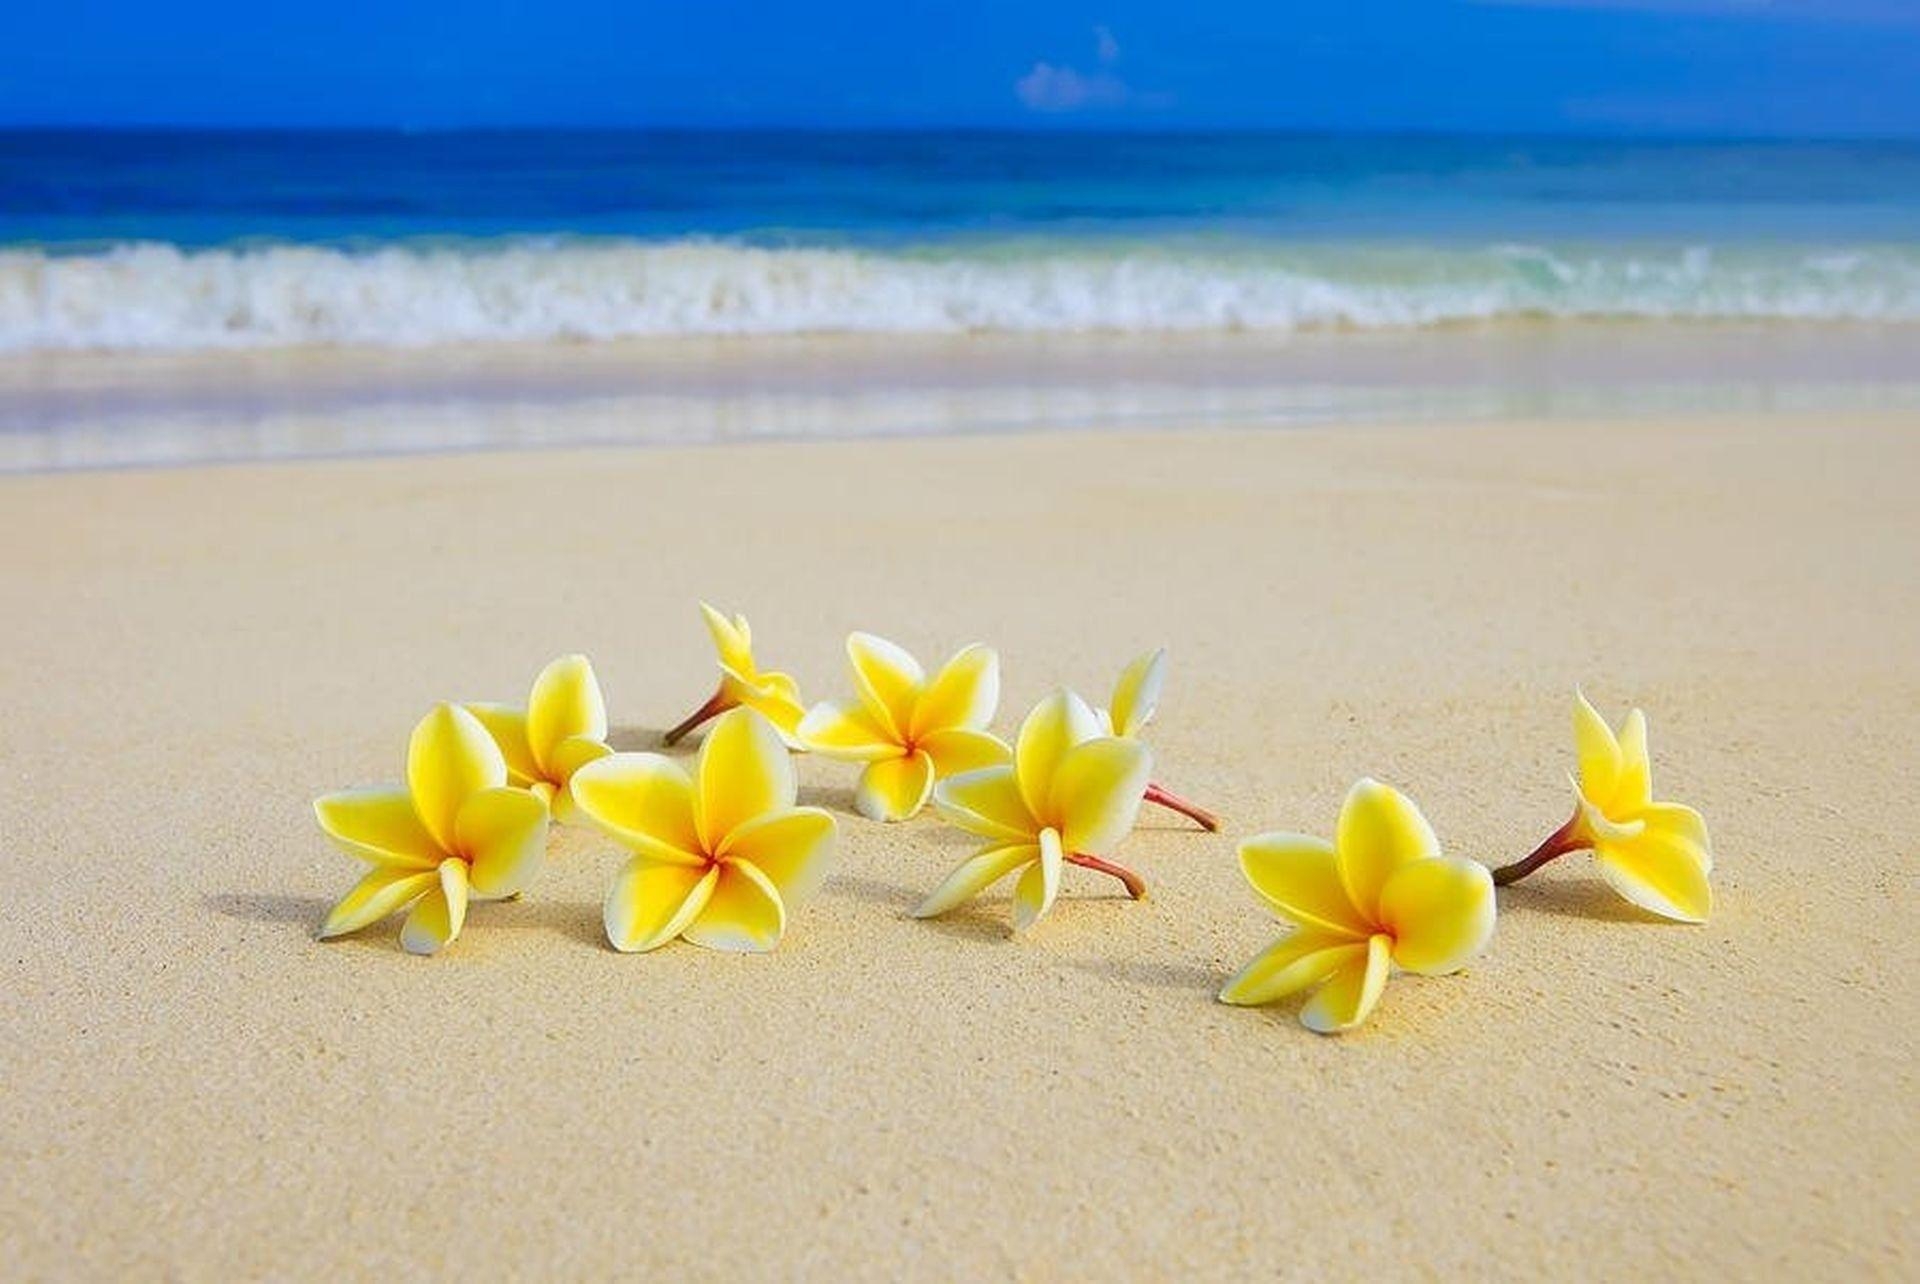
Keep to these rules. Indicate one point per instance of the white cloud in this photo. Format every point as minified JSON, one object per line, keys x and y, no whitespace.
{"x":1050,"y":88}
{"x":1057,"y":87}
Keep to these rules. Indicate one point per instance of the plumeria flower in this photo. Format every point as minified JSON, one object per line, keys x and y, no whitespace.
{"x":1380,"y":895}
{"x":775,"y":696}
{"x":1069,"y":794}
{"x":454,"y":831}
{"x":1655,"y":854}
{"x":562,"y":728}
{"x":720,"y":857}
{"x":1136,"y":696}
{"x":909,"y":731}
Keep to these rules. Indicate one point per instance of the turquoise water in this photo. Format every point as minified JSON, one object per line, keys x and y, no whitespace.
{"x":181,"y":241}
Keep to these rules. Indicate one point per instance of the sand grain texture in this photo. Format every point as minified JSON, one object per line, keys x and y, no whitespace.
{"x":193,"y":1086}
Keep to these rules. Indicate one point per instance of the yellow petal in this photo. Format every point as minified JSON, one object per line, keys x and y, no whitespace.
{"x":781,"y":685}
{"x":846,"y":731}
{"x":1664,"y":869}
{"x":894,"y":788}
{"x":1055,"y":725}
{"x":1137,"y":693}
{"x":775,"y":697}
{"x":793,"y":848}
{"x":1303,"y":957}
{"x":650,"y":903}
{"x":385,"y":889}
{"x":1299,"y":876}
{"x":1596,"y":825}
{"x":503,"y":834}
{"x":1096,"y":793}
{"x":1033,"y":895}
{"x":437,"y":917}
{"x":961,"y":750}
{"x":889,"y":681}
{"x":975,"y":874}
{"x":507,"y":724}
{"x":449,"y":759}
{"x":568,"y":757}
{"x":744,"y":771}
{"x":964,"y":693}
{"x":988,"y":803}
{"x":1379,"y":831}
{"x":1634,"y":789}
{"x":378,"y":825}
{"x":566,"y":702}
{"x":1598,"y":751}
{"x":744,"y":915}
{"x":574,"y":753}
{"x":1439,"y":913}
{"x":1680,"y":824}
{"x":738,"y":688}
{"x":732,"y":639}
{"x":644,"y":801}
{"x":1350,"y":993}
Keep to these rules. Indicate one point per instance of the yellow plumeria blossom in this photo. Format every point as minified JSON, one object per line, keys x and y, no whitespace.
{"x":1380,"y":895}
{"x":775,"y":696}
{"x":562,"y":728}
{"x":1656,"y":854}
{"x":909,"y":730}
{"x":455,"y":830}
{"x":721,"y":857}
{"x":1136,"y":697}
{"x":1070,"y":794}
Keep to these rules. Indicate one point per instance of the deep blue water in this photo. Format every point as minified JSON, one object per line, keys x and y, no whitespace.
{"x":200,"y":189}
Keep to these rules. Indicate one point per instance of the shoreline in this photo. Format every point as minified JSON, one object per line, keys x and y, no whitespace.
{"x":90,"y":410}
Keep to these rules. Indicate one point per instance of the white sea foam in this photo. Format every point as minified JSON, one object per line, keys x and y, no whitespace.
{"x":159,"y":296}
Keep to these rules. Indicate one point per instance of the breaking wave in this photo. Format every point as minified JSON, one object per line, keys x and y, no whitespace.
{"x":158,"y":296}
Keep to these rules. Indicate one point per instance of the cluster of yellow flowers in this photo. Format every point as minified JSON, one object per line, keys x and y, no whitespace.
{"x":723,"y":854}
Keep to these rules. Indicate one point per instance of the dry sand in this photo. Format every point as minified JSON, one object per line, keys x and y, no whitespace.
{"x":190,"y":1085}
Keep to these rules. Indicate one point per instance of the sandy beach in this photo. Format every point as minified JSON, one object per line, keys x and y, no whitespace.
{"x":192,"y":1086}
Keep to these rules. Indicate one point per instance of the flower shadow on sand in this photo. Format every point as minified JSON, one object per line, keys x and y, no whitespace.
{"x":1579,"y":897}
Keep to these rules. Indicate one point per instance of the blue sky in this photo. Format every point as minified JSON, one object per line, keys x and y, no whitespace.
{"x":1800,"y":68}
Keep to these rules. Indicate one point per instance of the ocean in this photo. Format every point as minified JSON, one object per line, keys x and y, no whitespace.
{"x":185,"y":241}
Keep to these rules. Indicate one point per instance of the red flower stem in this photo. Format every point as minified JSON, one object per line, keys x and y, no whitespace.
{"x":1200,"y":816}
{"x":1567,"y":838}
{"x":1136,"y":886}
{"x":713,"y":708}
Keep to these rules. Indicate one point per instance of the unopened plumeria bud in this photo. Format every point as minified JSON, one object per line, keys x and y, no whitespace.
{"x":721,"y":857}
{"x":1069,"y":795}
{"x":1655,"y":854}
{"x":774,"y":696}
{"x":910,"y":730}
{"x":1136,"y":697}
{"x":1380,"y":895}
{"x":456,"y":829}
{"x":562,"y":728}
